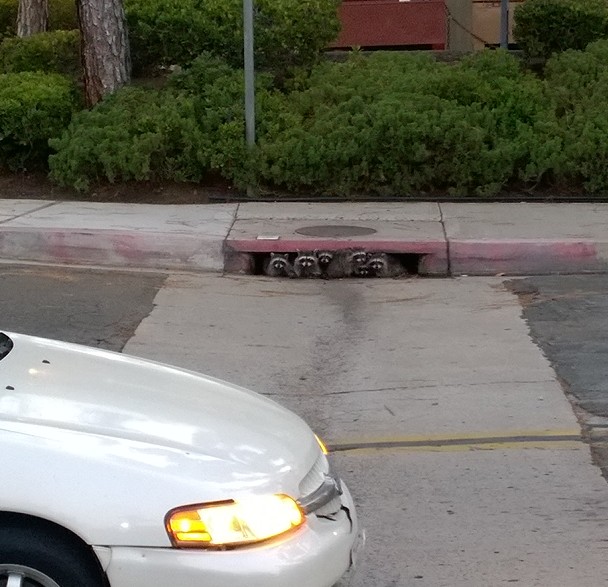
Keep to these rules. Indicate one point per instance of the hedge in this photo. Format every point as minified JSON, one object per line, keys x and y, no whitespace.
{"x":52,"y":52}
{"x":577,"y":85}
{"x":134,"y":134}
{"x":393,"y":124}
{"x":387,"y":124}
{"x":545,"y":27}
{"x":289,"y":33}
{"x":34,"y":107}
{"x":185,"y":132}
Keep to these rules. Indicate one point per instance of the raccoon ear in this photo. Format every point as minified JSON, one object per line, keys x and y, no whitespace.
{"x":272,"y":255}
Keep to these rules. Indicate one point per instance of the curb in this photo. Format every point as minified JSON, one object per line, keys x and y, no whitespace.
{"x":193,"y":251}
{"x":526,"y":257}
{"x":111,"y":248}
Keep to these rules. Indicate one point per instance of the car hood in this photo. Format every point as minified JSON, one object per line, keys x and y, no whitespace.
{"x":85,"y":390}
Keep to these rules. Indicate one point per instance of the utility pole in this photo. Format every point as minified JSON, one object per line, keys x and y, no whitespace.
{"x":249,"y":78}
{"x":504,"y":24}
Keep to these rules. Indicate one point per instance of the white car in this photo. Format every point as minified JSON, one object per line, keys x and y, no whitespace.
{"x":121,"y":472}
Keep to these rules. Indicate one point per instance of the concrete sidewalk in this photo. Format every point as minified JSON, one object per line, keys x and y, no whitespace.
{"x":450,"y":239}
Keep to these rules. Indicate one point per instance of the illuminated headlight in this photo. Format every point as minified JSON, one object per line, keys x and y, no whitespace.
{"x":322,"y":445}
{"x":234,"y":522}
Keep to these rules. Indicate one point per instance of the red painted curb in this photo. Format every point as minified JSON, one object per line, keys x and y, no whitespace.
{"x":524,"y":257}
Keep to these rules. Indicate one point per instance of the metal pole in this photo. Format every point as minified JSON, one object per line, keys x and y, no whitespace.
{"x":249,"y":72}
{"x":504,"y":24}
{"x":249,"y":79}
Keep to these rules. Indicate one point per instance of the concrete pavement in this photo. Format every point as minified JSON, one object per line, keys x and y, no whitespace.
{"x":447,"y":239}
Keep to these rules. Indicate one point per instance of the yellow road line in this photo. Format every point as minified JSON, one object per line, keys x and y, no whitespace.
{"x":543,"y":439}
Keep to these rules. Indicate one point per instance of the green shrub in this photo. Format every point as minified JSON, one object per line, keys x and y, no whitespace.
{"x":586,"y":146}
{"x":405,"y":125}
{"x":53,"y":52}
{"x":577,"y":85}
{"x":134,"y":134}
{"x":8,"y":17}
{"x":62,"y":16}
{"x":185,"y":132}
{"x":545,"y":27}
{"x":205,"y":70}
{"x":173,"y":32}
{"x":33,"y":108}
{"x":572,"y":75}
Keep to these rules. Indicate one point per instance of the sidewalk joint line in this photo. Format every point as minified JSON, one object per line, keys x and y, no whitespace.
{"x":29,"y":212}
{"x":234,"y":219}
{"x":447,"y":240}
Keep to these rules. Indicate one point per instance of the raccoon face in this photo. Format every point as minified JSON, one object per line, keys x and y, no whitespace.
{"x":362,"y":271}
{"x":325,"y":258}
{"x":279,"y":263}
{"x":306,"y":261}
{"x":377,"y":263}
{"x":359,"y":257}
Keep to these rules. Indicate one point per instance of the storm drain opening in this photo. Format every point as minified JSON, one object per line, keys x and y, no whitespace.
{"x":320,"y":264}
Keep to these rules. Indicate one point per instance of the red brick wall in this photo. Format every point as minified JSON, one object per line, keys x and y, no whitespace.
{"x":377,"y":23}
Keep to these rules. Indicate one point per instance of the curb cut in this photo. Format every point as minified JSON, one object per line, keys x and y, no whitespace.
{"x":433,"y":255}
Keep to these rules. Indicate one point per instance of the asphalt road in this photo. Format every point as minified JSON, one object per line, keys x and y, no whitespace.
{"x":448,"y":422}
{"x":85,"y":306}
{"x":568,"y":319}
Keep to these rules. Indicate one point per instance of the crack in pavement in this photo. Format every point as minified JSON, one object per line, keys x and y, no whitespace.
{"x":415,"y":387}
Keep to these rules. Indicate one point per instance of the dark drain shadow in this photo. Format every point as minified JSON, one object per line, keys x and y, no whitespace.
{"x":408,"y":263}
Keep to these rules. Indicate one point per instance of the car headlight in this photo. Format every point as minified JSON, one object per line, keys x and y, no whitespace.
{"x":233,"y":523}
{"x":322,"y":445}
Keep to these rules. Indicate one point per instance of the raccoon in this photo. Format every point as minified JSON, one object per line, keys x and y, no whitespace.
{"x":384,"y":265}
{"x":347,"y":264}
{"x":325,"y":258}
{"x":361,"y":271}
{"x":306,"y":264}
{"x":278,"y":265}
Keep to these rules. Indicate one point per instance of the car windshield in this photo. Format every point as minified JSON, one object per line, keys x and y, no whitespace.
{"x":6,"y":344}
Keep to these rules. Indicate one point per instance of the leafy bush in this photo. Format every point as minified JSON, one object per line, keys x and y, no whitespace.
{"x":8,"y":17}
{"x":386,"y":124}
{"x":133,"y":134}
{"x":53,"y":52}
{"x":192,"y":128}
{"x":62,"y":16}
{"x":174,"y":32}
{"x":402,"y":125}
{"x":577,"y":85}
{"x":33,"y":108}
{"x":572,"y":75}
{"x":545,"y":27}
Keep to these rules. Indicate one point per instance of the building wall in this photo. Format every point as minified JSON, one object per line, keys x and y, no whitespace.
{"x":475,"y":24}
{"x":486,"y":22}
{"x":459,"y":23}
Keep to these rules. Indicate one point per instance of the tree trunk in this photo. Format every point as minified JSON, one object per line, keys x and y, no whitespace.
{"x":104,"y":47}
{"x":32,"y":17}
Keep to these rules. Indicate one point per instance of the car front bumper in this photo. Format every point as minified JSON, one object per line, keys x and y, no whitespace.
{"x":317,"y":555}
